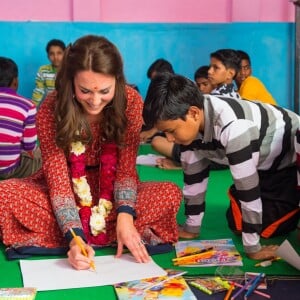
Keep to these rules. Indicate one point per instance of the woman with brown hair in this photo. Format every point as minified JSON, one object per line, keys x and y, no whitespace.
{"x":89,"y":136}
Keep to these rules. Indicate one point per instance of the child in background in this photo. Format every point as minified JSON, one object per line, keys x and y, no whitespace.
{"x":202,"y":81}
{"x":19,"y":154}
{"x":250,"y":87}
{"x":45,"y":77}
{"x":224,"y":67}
{"x":256,"y":140}
{"x":159,"y":66}
{"x":158,"y":140}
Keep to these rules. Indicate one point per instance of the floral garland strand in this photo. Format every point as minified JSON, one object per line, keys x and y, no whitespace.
{"x":93,"y":218}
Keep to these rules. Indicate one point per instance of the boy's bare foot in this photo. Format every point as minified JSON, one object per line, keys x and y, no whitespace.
{"x":168,"y":164}
{"x":186,"y":235}
{"x":266,"y":252}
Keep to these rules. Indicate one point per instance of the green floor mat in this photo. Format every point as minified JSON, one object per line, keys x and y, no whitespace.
{"x":214,"y":227}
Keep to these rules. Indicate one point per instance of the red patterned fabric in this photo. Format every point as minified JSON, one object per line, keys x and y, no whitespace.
{"x":39,"y":210}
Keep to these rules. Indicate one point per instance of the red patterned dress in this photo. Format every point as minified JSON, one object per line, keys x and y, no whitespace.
{"x":39,"y":210}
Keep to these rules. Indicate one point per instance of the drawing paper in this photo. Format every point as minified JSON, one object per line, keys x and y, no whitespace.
{"x":57,"y":274}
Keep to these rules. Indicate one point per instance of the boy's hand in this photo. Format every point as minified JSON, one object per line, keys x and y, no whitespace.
{"x":186,"y":235}
{"x":266,"y":252}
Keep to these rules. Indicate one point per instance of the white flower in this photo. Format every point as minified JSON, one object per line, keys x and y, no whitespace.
{"x":99,"y":209}
{"x":106,"y":204}
{"x":97,"y":223}
{"x":77,"y":148}
{"x":82,"y":189}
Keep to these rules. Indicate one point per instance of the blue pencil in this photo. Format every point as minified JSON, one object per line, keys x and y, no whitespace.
{"x":254,"y":285}
{"x":245,"y":286}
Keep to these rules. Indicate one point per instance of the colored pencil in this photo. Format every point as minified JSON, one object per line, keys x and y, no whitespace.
{"x":229,"y":291}
{"x":254,"y":285}
{"x":193,"y":259}
{"x":255,"y":291}
{"x":193,"y":253}
{"x":243,"y":288}
{"x":267,"y":262}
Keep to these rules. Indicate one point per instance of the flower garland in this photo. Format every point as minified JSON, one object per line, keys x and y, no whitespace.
{"x":93,"y":218}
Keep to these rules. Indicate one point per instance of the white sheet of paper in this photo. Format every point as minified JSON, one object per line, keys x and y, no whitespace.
{"x":289,"y":254}
{"x":57,"y":274}
{"x":147,"y":159}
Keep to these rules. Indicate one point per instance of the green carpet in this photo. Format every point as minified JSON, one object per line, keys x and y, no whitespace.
{"x":214,"y":227}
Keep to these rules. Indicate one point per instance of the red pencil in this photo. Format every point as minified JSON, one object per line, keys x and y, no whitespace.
{"x":255,"y":291}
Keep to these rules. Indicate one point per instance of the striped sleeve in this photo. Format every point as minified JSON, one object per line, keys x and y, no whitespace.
{"x":242,"y":150}
{"x":196,"y":171}
{"x":44,"y":83}
{"x":30,"y":132}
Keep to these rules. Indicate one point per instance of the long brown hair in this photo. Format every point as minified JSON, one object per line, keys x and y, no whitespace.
{"x":97,"y":54}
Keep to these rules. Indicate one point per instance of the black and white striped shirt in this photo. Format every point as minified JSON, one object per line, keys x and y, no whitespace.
{"x":248,"y":136}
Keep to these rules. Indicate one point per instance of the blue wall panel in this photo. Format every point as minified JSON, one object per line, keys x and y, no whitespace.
{"x":186,"y":46}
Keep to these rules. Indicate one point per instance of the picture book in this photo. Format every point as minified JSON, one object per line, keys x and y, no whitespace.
{"x":204,"y":253}
{"x":171,"y":287}
{"x":26,"y":293}
{"x":209,"y":285}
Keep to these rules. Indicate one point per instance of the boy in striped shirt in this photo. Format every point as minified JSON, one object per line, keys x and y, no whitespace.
{"x":46,"y":75}
{"x":19,"y":154}
{"x":256,"y":140}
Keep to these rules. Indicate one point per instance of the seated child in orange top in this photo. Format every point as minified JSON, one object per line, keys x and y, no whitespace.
{"x":250,"y":87}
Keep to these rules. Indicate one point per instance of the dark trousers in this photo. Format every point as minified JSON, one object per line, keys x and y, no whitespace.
{"x":280,"y":203}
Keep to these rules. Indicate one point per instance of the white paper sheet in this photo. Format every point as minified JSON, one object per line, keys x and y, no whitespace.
{"x":148,"y":159}
{"x":289,"y":254}
{"x":57,"y":274}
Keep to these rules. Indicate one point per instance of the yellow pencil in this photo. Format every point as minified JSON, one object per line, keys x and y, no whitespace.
{"x":267,"y":263}
{"x":192,"y":259}
{"x":78,"y":242}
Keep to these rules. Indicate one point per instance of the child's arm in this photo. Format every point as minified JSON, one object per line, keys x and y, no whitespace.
{"x":147,"y":134}
{"x":194,"y":190}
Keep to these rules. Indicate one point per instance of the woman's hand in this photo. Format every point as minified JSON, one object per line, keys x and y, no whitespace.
{"x":76,"y":257}
{"x":128,"y":236}
{"x":266,"y":252}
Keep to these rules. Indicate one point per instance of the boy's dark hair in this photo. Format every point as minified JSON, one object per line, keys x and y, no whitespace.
{"x":160,"y":66}
{"x":244,"y":55}
{"x":57,"y":43}
{"x":229,"y":58}
{"x":8,"y":71}
{"x":169,"y":97}
{"x":201,"y":72}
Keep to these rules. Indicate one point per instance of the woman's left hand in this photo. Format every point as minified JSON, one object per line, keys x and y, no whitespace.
{"x":128,"y":236}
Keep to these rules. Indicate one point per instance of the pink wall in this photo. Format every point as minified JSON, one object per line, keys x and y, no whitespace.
{"x":180,"y":11}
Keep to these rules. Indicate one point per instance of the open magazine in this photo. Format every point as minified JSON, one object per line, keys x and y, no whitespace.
{"x":171,"y":286}
{"x":204,"y":253}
